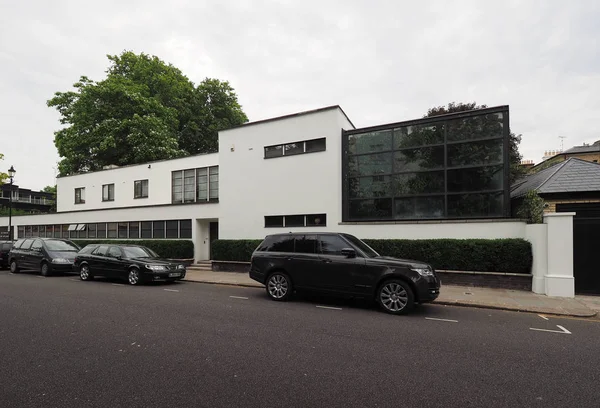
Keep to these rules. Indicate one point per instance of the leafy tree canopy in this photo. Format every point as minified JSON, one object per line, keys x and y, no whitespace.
{"x":516,"y":170}
{"x":3,"y":176}
{"x":143,"y":110}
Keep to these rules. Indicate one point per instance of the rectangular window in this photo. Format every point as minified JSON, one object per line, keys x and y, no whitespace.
{"x":108,"y":192}
{"x":185,"y":228}
{"x":158,"y":229}
{"x":273,"y":221}
{"x":82,"y":231}
{"x":177,"y":186}
{"x":306,"y":244}
{"x":316,"y":220}
{"x":295,"y":148}
{"x":80,"y":195}
{"x":101,"y":227}
{"x":140,"y":189}
{"x":49,"y":231}
{"x":214,"y":183}
{"x":315,"y":145}
{"x":172,"y":229}
{"x":294,"y":220}
{"x":134,"y":230}
{"x":146,"y":229}
{"x":20,"y":231}
{"x":202,"y":184}
{"x":111,"y":230}
{"x":28,"y":231}
{"x":57,"y":231}
{"x":42,"y":229}
{"x":123,"y":230}
{"x":273,"y":151}
{"x":35,"y":231}
{"x":189,"y":181}
{"x":65,"y":230}
{"x":91,"y":230}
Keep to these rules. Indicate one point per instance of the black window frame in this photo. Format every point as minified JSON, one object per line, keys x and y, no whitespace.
{"x":279,"y":150}
{"x":138,"y":188}
{"x":79,"y":195}
{"x":281,"y":221}
{"x":180,"y":190}
{"x":108,"y":189}
{"x":436,"y":121}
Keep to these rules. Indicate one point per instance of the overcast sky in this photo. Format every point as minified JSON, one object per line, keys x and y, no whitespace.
{"x":381,"y":61}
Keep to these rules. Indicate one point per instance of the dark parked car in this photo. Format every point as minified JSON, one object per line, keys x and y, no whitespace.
{"x":5,"y":247}
{"x":135,"y":263}
{"x":341,"y":264}
{"x":47,"y":255}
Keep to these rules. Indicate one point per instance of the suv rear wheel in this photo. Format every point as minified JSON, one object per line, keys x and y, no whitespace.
{"x":279,"y":286}
{"x":395,"y":296}
{"x":14,"y":268}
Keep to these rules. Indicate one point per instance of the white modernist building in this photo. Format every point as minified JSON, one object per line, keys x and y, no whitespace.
{"x":306,"y":171}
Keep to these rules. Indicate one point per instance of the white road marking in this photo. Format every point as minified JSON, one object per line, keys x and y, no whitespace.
{"x":171,"y":290}
{"x":117,"y":284}
{"x":238,"y":297}
{"x":40,"y":276}
{"x":543,"y":317}
{"x":441,"y":320}
{"x":329,"y":307}
{"x":75,"y":280}
{"x":562,"y":330}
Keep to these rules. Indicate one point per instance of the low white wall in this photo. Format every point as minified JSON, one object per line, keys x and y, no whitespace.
{"x":560,"y":280}
{"x":537,"y":235}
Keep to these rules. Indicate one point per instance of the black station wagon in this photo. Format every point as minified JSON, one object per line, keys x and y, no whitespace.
{"x":342,"y":264}
{"x":137,"y":264}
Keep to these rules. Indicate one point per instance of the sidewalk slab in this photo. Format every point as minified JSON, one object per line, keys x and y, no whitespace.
{"x":503,"y":299}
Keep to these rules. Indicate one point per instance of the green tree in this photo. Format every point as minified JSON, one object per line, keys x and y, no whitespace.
{"x":532,"y":208}
{"x":143,"y":110}
{"x":3,"y":176}
{"x":516,"y":170}
{"x":52,"y":190}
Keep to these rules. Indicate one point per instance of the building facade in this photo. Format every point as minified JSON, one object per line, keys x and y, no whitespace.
{"x":26,"y":200}
{"x":441,"y":177}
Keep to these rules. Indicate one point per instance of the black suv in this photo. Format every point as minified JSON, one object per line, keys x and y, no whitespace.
{"x":135,"y":263}
{"x":47,"y":255}
{"x":5,"y":247}
{"x":343,"y":264}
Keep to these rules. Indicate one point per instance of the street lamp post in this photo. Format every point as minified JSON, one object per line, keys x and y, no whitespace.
{"x":11,"y":175}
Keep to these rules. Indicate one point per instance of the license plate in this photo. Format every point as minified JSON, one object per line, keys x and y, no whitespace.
{"x":173,"y":275}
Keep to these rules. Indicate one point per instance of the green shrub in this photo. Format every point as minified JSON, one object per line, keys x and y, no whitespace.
{"x":480,"y":255}
{"x":175,"y":249}
{"x":239,"y":250}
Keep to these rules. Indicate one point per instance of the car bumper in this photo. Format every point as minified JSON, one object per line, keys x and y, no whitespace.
{"x":428,"y":290}
{"x":164,"y":276}
{"x":61,"y":268}
{"x":257,"y":276}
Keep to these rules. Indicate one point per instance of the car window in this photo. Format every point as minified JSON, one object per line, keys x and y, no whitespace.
{"x":18,"y":244}
{"x":114,"y":252}
{"x":332,"y":245}
{"x":367,"y":250}
{"x":306,"y":244}
{"x":137,"y":252}
{"x":88,"y":249}
{"x":62,"y":246}
{"x":37,"y":245}
{"x":26,"y":244}
{"x":6,"y":247}
{"x":278,"y":244}
{"x":101,"y":250}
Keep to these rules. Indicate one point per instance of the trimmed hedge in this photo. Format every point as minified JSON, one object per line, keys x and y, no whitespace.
{"x":167,"y":248}
{"x":480,"y":255}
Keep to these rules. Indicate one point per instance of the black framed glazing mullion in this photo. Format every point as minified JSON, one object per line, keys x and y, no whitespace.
{"x":345,"y":179}
{"x":506,"y":156}
{"x":393,"y":173}
{"x":445,"y":125}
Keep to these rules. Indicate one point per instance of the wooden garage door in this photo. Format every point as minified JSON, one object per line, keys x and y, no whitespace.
{"x":586,"y":246}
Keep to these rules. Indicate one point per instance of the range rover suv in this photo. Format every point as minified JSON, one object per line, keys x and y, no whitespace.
{"x":339,"y":263}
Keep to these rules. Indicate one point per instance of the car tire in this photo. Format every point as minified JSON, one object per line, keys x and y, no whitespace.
{"x":395,"y":296}
{"x":45,"y":269}
{"x":14,"y":268}
{"x":84,"y":273}
{"x":279,"y":286}
{"x":134,"y":277}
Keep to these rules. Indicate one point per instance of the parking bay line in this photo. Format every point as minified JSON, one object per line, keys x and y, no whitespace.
{"x":238,"y":297}
{"x":543,"y":317}
{"x":171,"y":290}
{"x":561,"y":331}
{"x":329,"y":307}
{"x":441,"y":320}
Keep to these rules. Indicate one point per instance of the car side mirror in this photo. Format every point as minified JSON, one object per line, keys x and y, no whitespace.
{"x":349,"y":253}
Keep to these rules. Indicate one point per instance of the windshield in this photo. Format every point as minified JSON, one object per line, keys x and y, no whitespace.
{"x":61,"y":246}
{"x":139,"y":252}
{"x":368,"y":251}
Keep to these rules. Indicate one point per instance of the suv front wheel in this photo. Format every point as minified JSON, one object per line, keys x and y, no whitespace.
{"x":14,"y":268}
{"x":395,"y":297}
{"x":279,"y":286}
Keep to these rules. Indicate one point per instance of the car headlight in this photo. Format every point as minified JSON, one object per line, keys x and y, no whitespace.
{"x":156,"y":267}
{"x":61,"y":261}
{"x":180,"y":267}
{"x":423,"y":271}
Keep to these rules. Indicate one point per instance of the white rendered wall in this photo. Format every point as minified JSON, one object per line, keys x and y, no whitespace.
{"x":537,"y":235}
{"x":560,"y":280}
{"x":157,"y":173}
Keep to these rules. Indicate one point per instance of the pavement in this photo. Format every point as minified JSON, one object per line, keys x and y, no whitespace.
{"x":67,"y":343}
{"x":504,"y":299}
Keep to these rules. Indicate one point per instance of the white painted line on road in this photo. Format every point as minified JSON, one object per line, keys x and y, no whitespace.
{"x":441,"y":320}
{"x":238,"y":297}
{"x":171,"y":290}
{"x":562,"y":330}
{"x":329,"y":307}
{"x":543,"y":317}
{"x":40,"y":276}
{"x":117,"y":284}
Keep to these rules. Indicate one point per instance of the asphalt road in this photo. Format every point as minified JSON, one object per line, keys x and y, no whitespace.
{"x":66,"y":343}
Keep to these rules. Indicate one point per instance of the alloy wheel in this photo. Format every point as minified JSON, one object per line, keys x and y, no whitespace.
{"x":278,"y":286}
{"x":84,"y":272}
{"x":393,"y":297}
{"x":134,"y":277}
{"x":45,"y":270}
{"x":14,"y":268}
